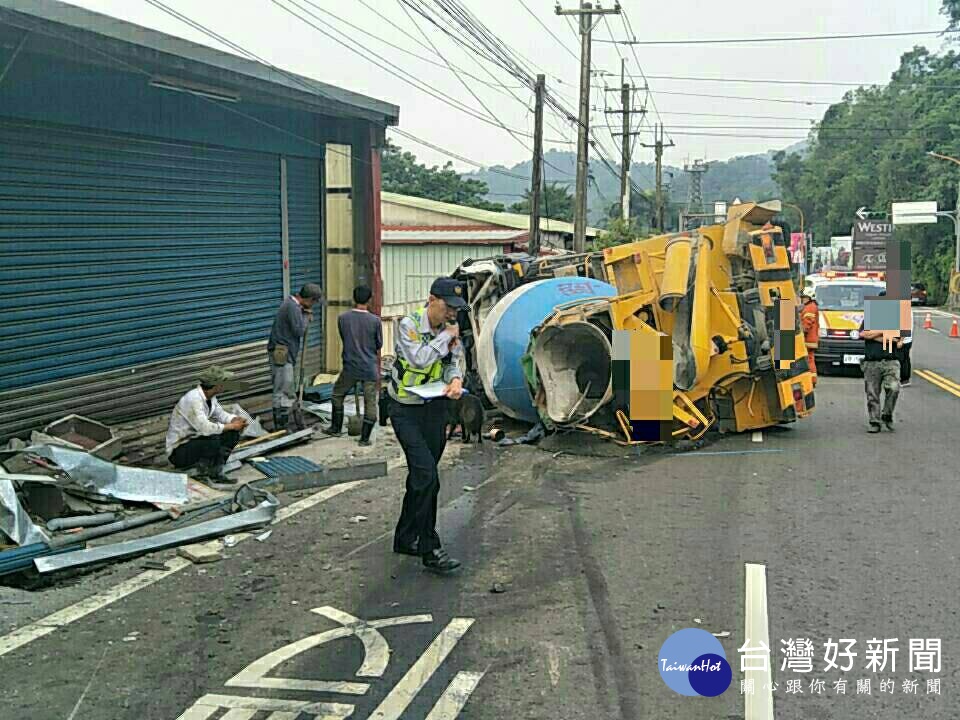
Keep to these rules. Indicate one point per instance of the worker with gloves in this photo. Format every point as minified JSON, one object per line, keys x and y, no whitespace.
{"x":810,"y":322}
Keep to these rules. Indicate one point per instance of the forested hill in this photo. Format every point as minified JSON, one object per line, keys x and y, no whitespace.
{"x":748,"y":177}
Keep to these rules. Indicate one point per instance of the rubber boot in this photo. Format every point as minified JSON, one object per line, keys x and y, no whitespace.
{"x":280,"y":416}
{"x":365,"y":432}
{"x":336,"y":423}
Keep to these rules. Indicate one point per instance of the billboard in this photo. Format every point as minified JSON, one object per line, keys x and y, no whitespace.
{"x":821,"y":258}
{"x":798,"y":252}
{"x":842,"y":252}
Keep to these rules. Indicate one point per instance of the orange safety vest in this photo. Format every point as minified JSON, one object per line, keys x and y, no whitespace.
{"x":810,"y":322}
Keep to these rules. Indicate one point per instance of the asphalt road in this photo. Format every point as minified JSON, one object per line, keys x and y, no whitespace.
{"x":577,"y":568}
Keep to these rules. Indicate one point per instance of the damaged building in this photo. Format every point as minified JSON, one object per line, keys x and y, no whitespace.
{"x":159,"y":199}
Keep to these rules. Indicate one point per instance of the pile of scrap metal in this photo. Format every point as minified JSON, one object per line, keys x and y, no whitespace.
{"x":70,"y":489}
{"x":541,"y":333}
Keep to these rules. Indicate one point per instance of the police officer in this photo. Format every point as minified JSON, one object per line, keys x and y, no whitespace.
{"x":427,"y":349}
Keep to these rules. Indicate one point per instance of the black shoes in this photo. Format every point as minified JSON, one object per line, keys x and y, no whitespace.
{"x":873,"y":428}
{"x":365,"y":432}
{"x":888,"y":421}
{"x":439,"y":562}
{"x":336,"y":424}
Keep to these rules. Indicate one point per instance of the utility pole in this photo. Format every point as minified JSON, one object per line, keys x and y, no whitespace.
{"x":658,"y":152}
{"x":626,"y":151}
{"x":536,"y":181}
{"x":585,"y":13}
{"x":695,"y":198}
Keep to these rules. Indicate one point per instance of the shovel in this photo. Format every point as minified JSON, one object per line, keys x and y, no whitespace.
{"x":354,"y":421}
{"x":297,"y":421}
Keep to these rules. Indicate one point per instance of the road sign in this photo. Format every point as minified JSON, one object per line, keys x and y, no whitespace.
{"x":870,"y":244}
{"x":914,"y":213}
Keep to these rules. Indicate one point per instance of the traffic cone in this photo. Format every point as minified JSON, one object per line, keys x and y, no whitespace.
{"x":954,"y":331}
{"x":927,"y":322}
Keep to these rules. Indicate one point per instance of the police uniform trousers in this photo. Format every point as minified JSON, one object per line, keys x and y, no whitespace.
{"x":421,"y":432}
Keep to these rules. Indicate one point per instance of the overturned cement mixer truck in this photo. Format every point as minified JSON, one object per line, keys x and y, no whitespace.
{"x":687,"y":331}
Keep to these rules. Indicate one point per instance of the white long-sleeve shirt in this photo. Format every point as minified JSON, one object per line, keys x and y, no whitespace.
{"x":193,"y":417}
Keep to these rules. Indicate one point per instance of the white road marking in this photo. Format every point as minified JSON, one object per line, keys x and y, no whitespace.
{"x":395,"y":704}
{"x":240,"y":714}
{"x":450,"y":704}
{"x":759,"y":704}
{"x":757,"y":436}
{"x":208,"y":705}
{"x":45,"y":626}
{"x":376,"y":655}
{"x":934,"y":330}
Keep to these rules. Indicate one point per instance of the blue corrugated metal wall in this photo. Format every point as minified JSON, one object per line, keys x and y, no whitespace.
{"x":304,"y":193}
{"x":116,"y":251}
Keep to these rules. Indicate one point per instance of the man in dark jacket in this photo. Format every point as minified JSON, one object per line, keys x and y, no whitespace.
{"x":361,"y":333}
{"x":286,"y":335}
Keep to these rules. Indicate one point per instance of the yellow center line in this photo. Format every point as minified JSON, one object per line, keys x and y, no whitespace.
{"x":945,"y":380}
{"x":930,"y":378}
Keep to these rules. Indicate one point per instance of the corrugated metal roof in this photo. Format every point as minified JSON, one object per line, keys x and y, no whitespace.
{"x":457,"y":237}
{"x":190,"y":56}
{"x":512,"y":220}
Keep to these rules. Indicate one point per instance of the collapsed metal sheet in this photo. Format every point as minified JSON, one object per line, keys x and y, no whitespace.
{"x":117,"y":481}
{"x":262,"y":514}
{"x":14,"y":520}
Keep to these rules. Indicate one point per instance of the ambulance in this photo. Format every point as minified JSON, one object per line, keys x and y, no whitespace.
{"x":841,"y":299}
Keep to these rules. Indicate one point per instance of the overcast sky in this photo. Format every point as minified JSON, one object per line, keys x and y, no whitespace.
{"x":262,"y":27}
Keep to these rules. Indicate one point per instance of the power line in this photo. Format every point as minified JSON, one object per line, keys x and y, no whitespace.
{"x":742,"y":116}
{"x":549,"y":31}
{"x":398,"y":72}
{"x":741,"y":97}
{"x":760,"y":81}
{"x":795,"y":38}
{"x":494,"y":85}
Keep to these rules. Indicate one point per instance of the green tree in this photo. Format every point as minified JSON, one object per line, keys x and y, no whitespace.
{"x":618,"y":232}
{"x":556,"y":203}
{"x":871,"y":148}
{"x":404,"y":175}
{"x":951,"y":8}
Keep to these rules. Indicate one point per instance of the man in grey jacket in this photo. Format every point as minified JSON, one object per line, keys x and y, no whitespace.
{"x":286,"y":335}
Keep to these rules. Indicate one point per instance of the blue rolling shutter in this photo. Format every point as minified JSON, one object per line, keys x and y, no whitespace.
{"x":120,"y":253}
{"x":306,"y":249}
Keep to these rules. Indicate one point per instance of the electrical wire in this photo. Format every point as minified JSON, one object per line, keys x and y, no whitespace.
{"x":493,"y":85}
{"x":762,"y":81}
{"x":549,"y":31}
{"x":301,"y":81}
{"x":796,"y":38}
{"x":398,"y":72}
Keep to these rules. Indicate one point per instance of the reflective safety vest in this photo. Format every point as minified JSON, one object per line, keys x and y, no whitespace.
{"x":405,"y":375}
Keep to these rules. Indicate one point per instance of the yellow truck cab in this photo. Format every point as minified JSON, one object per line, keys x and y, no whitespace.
{"x":840,"y":297}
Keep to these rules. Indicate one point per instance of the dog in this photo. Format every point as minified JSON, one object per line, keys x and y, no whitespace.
{"x":467,"y":412}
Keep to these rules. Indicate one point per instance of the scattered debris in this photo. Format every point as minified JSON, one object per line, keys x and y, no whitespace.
{"x":262,"y":514}
{"x":287,"y":465}
{"x":201,"y":553}
{"x":229,"y":541}
{"x":132,"y":637}
{"x":535,"y":434}
{"x":81,"y":522}
{"x":498,"y":588}
{"x":235,"y":460}
{"x":15,"y":523}
{"x":724,"y":634}
{"x":264,"y":536}
{"x":87,"y":435}
{"x":154,"y":565}
{"x":698,"y":621}
{"x":357,"y":519}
